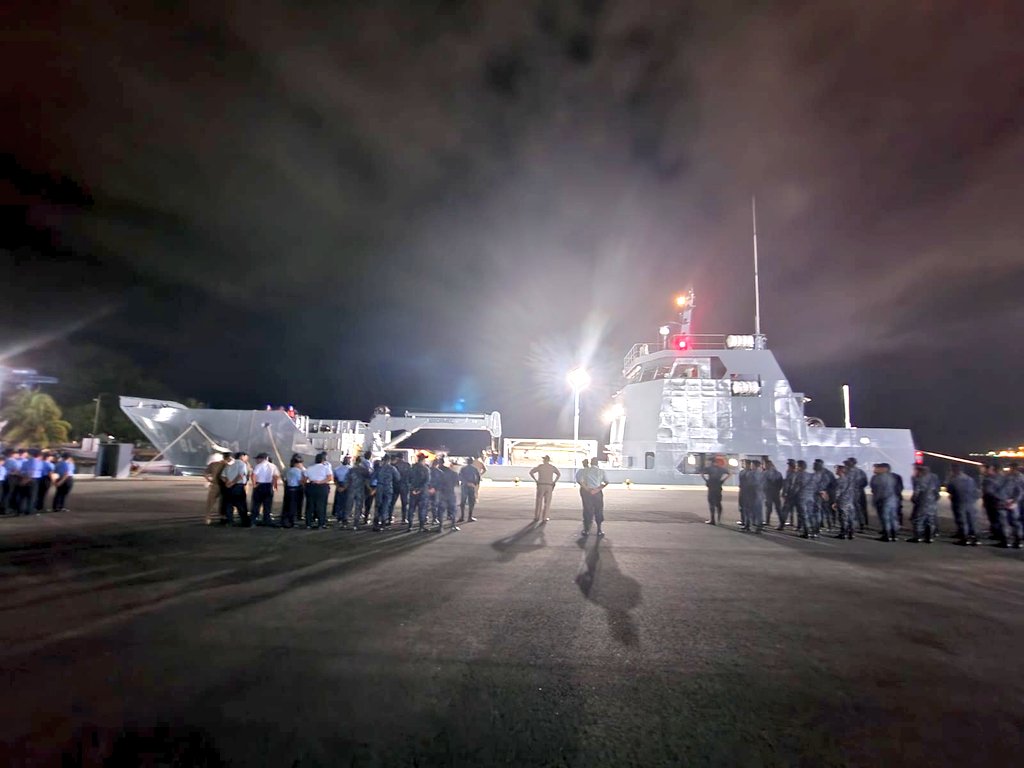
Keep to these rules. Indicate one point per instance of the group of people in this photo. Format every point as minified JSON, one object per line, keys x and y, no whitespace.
{"x":425,"y":490}
{"x":836,"y":501}
{"x":27,"y":477}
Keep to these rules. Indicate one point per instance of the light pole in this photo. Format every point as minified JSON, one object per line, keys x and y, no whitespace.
{"x":578,"y":379}
{"x":96,"y":415}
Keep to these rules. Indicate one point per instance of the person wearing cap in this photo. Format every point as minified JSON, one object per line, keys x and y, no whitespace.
{"x":265,"y":478}
{"x":963,"y":495}
{"x":751,"y":482}
{"x":356,"y":482}
{"x":883,"y":493}
{"x":469,"y":481}
{"x":386,"y":477}
{"x":545,"y":475}
{"x":215,"y":489}
{"x":419,"y":483}
{"x":46,"y":481}
{"x":236,"y":476}
{"x":294,"y":480}
{"x":592,"y":482}
{"x":991,"y":489}
{"x":825,"y":484}
{"x":341,"y":490}
{"x":318,"y":485}
{"x":715,"y":476}
{"x":446,"y":481}
{"x":846,"y":502}
{"x":925,"y":498}
{"x":772,"y":492}
{"x":402,"y":492}
{"x":806,"y":489}
{"x":859,"y":479}
{"x":787,"y":514}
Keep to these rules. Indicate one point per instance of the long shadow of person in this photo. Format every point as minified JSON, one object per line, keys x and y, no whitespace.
{"x":603,"y":584}
{"x":529,"y":537}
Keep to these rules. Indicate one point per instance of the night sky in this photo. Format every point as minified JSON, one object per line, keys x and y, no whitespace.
{"x":336,"y":205}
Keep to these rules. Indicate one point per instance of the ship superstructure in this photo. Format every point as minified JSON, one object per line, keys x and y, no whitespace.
{"x":689,"y":398}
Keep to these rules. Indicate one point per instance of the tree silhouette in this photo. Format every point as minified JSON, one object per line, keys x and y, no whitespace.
{"x":34,"y":418}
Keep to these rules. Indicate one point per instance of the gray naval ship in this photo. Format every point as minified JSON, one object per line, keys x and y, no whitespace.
{"x":687,"y":399}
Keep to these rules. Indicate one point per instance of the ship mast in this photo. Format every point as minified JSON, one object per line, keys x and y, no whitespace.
{"x":757,"y":284}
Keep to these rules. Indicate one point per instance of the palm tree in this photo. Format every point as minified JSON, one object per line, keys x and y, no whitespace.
{"x":34,"y":419}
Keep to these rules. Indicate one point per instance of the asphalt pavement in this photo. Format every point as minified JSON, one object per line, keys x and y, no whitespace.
{"x":128,"y":628}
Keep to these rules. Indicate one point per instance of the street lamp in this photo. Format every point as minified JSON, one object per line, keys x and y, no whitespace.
{"x":579,"y":380}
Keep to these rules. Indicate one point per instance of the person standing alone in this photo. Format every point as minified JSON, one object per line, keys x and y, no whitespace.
{"x":545,"y":475}
{"x":592,"y":484}
{"x":715,"y":476}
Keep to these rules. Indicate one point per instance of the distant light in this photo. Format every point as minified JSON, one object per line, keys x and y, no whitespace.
{"x":682,"y":300}
{"x":664,"y":330}
{"x":734,"y":462}
{"x":578,"y":379}
{"x":680,"y":342}
{"x":919,"y":457}
{"x":691,"y":460}
{"x":739,"y":341}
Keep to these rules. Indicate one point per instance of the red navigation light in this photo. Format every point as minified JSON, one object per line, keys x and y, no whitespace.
{"x":919,"y":457}
{"x":680,"y":342}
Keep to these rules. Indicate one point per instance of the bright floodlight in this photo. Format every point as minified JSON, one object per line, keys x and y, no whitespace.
{"x":664,"y":330}
{"x":681,"y":300}
{"x":578,"y":379}
{"x":614,"y":412}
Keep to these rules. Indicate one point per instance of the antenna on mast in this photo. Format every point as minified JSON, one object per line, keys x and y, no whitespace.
{"x":757,"y":284}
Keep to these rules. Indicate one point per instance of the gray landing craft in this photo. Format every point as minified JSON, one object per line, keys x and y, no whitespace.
{"x":186,"y":436}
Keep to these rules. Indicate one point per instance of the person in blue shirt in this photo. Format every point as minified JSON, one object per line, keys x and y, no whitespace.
{"x":4,"y":482}
{"x":341,"y":489}
{"x":12,"y":482}
{"x":65,"y":482}
{"x":294,"y":480}
{"x":31,"y":481}
{"x":45,"y":481}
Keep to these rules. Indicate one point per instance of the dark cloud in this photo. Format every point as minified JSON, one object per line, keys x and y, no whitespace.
{"x":339,"y":204}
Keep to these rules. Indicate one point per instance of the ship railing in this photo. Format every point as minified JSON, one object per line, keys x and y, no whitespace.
{"x":695,"y":341}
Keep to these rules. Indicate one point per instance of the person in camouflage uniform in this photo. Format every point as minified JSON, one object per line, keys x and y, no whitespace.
{"x":419,"y":490}
{"x":772,"y":490}
{"x":387,"y":480}
{"x":859,"y":479}
{"x":806,"y":489}
{"x":925,"y":498}
{"x":963,"y":495}
{"x":883,"y":492}
{"x":846,"y":492}
{"x":788,"y":514}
